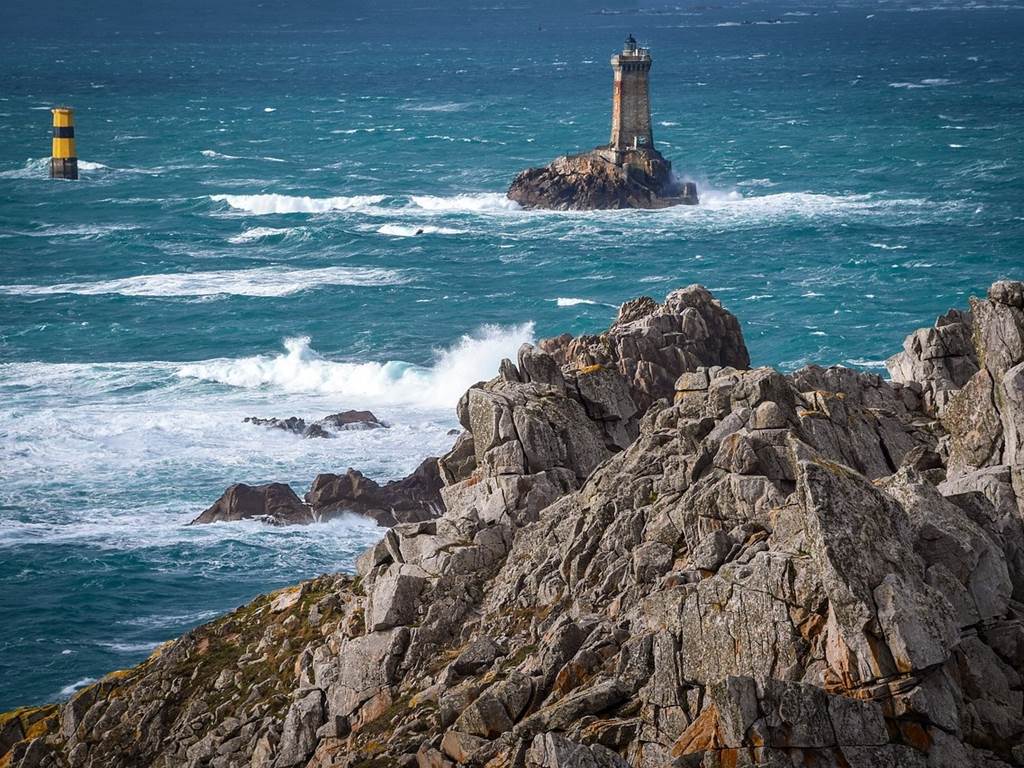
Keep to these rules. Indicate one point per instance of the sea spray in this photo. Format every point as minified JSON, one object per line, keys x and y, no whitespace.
{"x":301,"y":369}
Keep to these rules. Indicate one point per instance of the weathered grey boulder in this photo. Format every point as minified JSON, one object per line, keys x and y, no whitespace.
{"x":940,"y":359}
{"x":651,"y":344}
{"x":298,"y":733}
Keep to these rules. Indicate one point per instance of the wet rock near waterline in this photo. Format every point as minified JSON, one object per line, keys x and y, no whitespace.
{"x":273,"y":503}
{"x":345,"y":421}
{"x":411,"y":499}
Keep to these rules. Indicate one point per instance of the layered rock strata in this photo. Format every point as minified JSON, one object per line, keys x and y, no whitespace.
{"x":822,"y":568}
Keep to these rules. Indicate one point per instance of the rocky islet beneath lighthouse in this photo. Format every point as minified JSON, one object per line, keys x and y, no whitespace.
{"x":628,"y":172}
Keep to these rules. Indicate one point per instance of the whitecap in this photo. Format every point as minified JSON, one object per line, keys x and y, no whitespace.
{"x":301,"y":369}
{"x":562,"y":301}
{"x":259,"y":233}
{"x":33,"y":168}
{"x":402,"y":230}
{"x":448,"y":106}
{"x":484,"y":202}
{"x":261,"y":205}
{"x":218,"y":155}
{"x":887,"y":247}
{"x":68,"y":690}
{"x":259,"y":282}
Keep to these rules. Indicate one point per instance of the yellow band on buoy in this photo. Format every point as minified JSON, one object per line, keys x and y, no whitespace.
{"x":63,"y":157}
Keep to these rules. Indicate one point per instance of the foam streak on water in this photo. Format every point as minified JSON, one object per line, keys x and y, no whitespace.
{"x":267,"y":281}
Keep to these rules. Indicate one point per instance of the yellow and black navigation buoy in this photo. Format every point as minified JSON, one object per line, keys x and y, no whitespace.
{"x":64,"y":159}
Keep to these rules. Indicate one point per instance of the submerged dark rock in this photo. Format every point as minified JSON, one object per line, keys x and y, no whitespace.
{"x":292,"y":424}
{"x":345,"y":421}
{"x":813,"y":568}
{"x":352,"y":420}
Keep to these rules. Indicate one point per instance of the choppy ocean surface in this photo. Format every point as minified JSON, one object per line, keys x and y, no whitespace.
{"x":243,"y":242}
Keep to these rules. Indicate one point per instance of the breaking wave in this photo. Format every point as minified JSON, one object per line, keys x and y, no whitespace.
{"x":300,"y":369}
{"x":263,"y":281}
{"x":402,"y":230}
{"x":484,"y":202}
{"x":261,"y":205}
{"x":571,"y":302}
{"x":259,"y":233}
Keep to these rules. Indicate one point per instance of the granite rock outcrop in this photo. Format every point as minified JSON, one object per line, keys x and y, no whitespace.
{"x":591,"y":181}
{"x":740,"y":567}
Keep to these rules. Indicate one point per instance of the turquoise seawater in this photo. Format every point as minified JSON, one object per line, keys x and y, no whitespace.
{"x":242,"y":242}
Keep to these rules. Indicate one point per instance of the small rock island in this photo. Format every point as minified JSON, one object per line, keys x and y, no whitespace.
{"x":628,"y":172}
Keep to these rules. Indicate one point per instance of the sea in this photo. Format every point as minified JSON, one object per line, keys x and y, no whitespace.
{"x":296,"y":208}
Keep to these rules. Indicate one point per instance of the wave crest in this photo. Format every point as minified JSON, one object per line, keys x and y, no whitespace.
{"x":300,"y":369}
{"x":484,"y":202}
{"x":402,"y":230}
{"x":261,"y":205}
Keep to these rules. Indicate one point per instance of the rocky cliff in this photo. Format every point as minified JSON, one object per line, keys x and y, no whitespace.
{"x":650,"y":555}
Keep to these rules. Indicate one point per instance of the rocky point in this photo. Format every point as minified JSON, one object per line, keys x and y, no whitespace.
{"x":650,"y":555}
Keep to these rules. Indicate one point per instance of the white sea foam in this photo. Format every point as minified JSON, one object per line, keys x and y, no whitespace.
{"x":84,"y":231}
{"x":928,"y":82}
{"x":39,"y":168}
{"x":734,"y":208}
{"x":262,"y":281}
{"x":402,"y":230}
{"x":218,"y":155}
{"x":68,"y":690}
{"x":259,"y":233}
{"x":887,"y":247}
{"x":484,"y":202}
{"x":261,"y":205}
{"x":33,"y":168}
{"x":572,"y":302}
{"x":131,"y":647}
{"x":448,"y":106}
{"x":867,"y":363}
{"x":302,"y":370}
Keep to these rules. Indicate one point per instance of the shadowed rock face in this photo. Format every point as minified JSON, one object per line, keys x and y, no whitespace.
{"x":274,"y":503}
{"x":412,"y":499}
{"x":804,"y":569}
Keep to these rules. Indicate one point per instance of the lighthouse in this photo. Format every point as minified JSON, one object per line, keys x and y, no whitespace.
{"x":631,"y":101}
{"x":627,"y":172}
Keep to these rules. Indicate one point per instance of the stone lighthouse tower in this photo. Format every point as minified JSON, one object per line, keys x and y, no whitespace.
{"x":627,"y":172}
{"x":631,"y":103}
